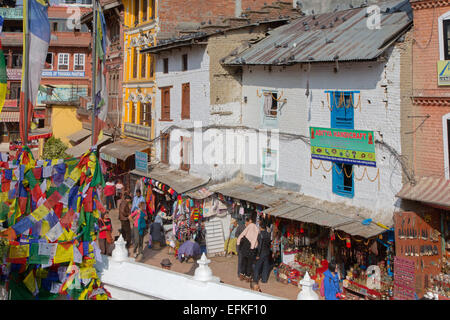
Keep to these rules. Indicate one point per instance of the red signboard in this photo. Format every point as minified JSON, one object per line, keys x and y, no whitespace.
{"x":404,"y":279}
{"x":14,"y":74}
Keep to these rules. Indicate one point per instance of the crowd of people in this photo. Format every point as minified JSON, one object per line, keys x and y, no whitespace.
{"x":257,"y":249}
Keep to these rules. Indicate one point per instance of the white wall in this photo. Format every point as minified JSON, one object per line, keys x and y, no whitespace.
{"x":130,"y":280}
{"x":299,"y":113}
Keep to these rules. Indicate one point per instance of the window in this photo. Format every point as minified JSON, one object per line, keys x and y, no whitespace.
{"x":448,"y":148}
{"x":166,"y":65}
{"x":153,"y":9}
{"x":14,"y":90}
{"x":184,"y":62}
{"x":78,"y":62}
{"x":143,"y":65}
{"x":342,"y":117}
{"x":144,"y":10}
{"x":145,"y":115}
{"x":135,"y":66}
{"x":55,"y":26}
{"x":133,"y":112}
{"x":185,"y":153}
{"x":7,"y":61}
{"x":446,"y":24}
{"x":49,"y":61}
{"x":63,"y":61}
{"x":165,"y":139}
{"x":269,"y":167}
{"x":343,"y":179}
{"x":185,"y":101}
{"x":17,"y":60}
{"x":270,"y":109}
{"x":152,"y":67}
{"x":136,"y":12}
{"x":165,"y":104}
{"x":446,"y":140}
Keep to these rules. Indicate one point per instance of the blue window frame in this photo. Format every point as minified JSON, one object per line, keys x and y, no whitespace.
{"x":342,"y":117}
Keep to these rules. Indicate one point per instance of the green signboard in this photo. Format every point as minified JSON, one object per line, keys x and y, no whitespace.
{"x":11,"y":13}
{"x":343,"y":145}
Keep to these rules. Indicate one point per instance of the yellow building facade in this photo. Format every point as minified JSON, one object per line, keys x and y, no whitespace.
{"x":61,"y":115}
{"x":138,"y":77}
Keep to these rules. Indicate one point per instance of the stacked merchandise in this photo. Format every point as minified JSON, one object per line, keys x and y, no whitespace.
{"x":49,"y":210}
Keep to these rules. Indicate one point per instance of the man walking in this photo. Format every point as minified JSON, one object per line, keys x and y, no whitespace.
{"x":138,"y":198}
{"x":110,"y":192}
{"x":239,"y":230}
{"x":124,"y":213}
{"x":263,"y":253}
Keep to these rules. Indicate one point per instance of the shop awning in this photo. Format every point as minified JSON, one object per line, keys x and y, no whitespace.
{"x":427,"y":189}
{"x":79,"y":136}
{"x":79,"y":149}
{"x":257,"y":193}
{"x":40,"y":133}
{"x":294,"y":206}
{"x":122,"y":149}
{"x":9,"y":116}
{"x":178,"y":180}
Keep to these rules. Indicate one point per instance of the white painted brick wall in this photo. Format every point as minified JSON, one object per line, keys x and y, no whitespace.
{"x":299,"y":114}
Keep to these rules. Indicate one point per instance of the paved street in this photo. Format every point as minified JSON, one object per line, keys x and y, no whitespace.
{"x":223,"y":267}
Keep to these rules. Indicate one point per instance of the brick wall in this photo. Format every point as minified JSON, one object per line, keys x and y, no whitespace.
{"x":173,"y":12}
{"x":428,"y":137}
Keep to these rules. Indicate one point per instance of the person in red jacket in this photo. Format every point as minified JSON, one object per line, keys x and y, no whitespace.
{"x":110,"y":191}
{"x":104,"y":236}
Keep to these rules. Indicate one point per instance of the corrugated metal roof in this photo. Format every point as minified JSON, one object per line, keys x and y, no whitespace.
{"x":84,"y":146}
{"x":178,"y":180}
{"x":124,"y":148}
{"x":78,"y":136}
{"x":427,"y":189}
{"x":294,"y":206}
{"x":342,"y":36}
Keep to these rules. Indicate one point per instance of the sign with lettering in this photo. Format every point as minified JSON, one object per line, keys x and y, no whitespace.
{"x":108,"y":158}
{"x":443,"y":68}
{"x":137,"y":131}
{"x":404,"y":279}
{"x":343,"y":145}
{"x":14,"y":74}
{"x":63,"y":74}
{"x":11,"y":13}
{"x":141,"y":161}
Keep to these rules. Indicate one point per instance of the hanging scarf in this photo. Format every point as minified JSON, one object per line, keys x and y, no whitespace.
{"x":251,"y":233}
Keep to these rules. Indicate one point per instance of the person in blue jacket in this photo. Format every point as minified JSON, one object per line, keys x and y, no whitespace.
{"x":331,"y":282}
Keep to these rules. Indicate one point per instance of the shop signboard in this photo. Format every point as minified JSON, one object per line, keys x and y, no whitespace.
{"x":11,"y":13}
{"x":404,"y":279}
{"x":343,"y":145}
{"x":108,"y":158}
{"x":137,"y":131}
{"x":141,"y":159}
{"x":62,"y":74}
{"x":443,"y":68}
{"x":14,"y":74}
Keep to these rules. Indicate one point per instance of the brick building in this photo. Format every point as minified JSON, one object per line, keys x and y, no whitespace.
{"x":426,"y":200}
{"x":67,"y":73}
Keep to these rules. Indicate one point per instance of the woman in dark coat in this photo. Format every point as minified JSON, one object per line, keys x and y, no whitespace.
{"x":157,"y":233}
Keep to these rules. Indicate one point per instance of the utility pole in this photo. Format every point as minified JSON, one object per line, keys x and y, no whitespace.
{"x":26,"y":74}
{"x":94,"y":67}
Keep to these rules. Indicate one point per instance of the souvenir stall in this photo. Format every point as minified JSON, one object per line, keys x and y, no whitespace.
{"x":182,"y":216}
{"x":307,"y":247}
{"x":49,"y":211}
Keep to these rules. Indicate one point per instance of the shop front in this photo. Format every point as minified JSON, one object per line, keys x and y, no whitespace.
{"x":119,"y":158}
{"x":422,"y":235}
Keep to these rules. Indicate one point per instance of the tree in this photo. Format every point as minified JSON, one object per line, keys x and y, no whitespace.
{"x":54,"y":148}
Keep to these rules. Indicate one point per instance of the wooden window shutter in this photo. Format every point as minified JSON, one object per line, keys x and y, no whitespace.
{"x":165,"y":104}
{"x":185,"y":101}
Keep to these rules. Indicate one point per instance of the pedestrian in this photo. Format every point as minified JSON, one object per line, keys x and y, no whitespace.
{"x":275,"y":246}
{"x":105,"y":238}
{"x":166,"y":264}
{"x":248,"y":241}
{"x":239,"y":230}
{"x":110,"y":191}
{"x":262,"y":265}
{"x":139,"y":225}
{"x":119,"y":191}
{"x":124,"y":213}
{"x":200,"y":238}
{"x":138,"y":198}
{"x":331,"y":282}
{"x":230,"y":244}
{"x":157,"y":233}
